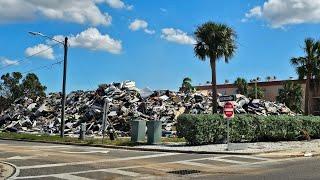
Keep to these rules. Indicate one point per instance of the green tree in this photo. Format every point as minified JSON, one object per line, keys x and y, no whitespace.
{"x":187,"y":85}
{"x":32,"y":86}
{"x":308,"y":67}
{"x":242,"y":86}
{"x":11,"y":88}
{"x":214,"y":41}
{"x":14,"y":86}
{"x":252,"y":92}
{"x":291,"y":95}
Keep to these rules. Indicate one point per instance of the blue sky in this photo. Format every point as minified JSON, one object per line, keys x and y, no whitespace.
{"x":156,"y":50}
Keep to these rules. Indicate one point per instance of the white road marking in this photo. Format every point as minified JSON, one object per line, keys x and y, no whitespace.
{"x":70,"y":177}
{"x":97,"y":161}
{"x":24,"y":157}
{"x":111,"y":170}
{"x":84,"y":152}
{"x":251,"y":157}
{"x":122,"y":172}
{"x":194,"y":163}
{"x":228,"y":161}
{"x":49,"y":147}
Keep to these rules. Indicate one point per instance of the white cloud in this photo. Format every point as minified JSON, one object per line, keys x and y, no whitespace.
{"x":92,"y":39}
{"x":285,"y":12}
{"x":138,"y":24}
{"x":118,"y":4}
{"x":254,"y":12}
{"x":40,"y":50}
{"x":177,"y":36}
{"x":149,"y":31}
{"x":82,"y":12}
{"x":8,"y":62}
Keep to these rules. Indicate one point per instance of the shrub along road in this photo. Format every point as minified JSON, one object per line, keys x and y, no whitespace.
{"x":52,"y":161}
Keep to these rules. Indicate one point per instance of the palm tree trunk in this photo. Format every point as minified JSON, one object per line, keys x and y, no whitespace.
{"x":213,"y":85}
{"x":307,"y":97}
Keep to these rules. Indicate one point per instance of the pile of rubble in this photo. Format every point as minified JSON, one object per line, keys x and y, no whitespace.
{"x":125,"y":103}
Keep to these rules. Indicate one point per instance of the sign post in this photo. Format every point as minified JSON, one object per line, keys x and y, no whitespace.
{"x":228,"y":114}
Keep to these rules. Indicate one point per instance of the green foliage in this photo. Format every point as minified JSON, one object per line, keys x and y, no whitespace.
{"x":252,"y":92}
{"x":307,"y":66}
{"x":215,"y":41}
{"x":291,"y":95}
{"x":32,"y":86}
{"x":14,"y":86}
{"x":242,"y":86}
{"x":206,"y":129}
{"x":187,"y":86}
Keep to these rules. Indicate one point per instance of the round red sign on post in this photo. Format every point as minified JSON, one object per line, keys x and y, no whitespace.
{"x":228,"y":111}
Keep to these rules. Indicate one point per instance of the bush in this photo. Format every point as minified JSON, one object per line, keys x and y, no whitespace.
{"x":206,"y":129}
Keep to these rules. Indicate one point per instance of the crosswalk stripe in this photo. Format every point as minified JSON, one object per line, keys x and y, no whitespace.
{"x":97,"y":161}
{"x":70,"y":177}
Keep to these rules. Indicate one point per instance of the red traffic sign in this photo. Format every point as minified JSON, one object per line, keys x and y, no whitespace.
{"x":228,"y":111}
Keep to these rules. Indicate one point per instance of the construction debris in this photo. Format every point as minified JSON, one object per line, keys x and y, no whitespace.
{"x":126,"y":103}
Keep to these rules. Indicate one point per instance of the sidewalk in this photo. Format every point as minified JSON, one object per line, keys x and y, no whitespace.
{"x":299,"y":148}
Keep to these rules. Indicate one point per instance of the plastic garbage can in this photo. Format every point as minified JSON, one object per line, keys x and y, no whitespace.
{"x":154,"y":132}
{"x":138,"y":130}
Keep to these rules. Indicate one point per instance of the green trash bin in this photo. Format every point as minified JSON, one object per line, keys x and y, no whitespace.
{"x":154,"y":132}
{"x":138,"y":130}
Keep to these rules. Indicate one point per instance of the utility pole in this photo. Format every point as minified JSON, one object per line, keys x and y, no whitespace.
{"x":63,"y":100}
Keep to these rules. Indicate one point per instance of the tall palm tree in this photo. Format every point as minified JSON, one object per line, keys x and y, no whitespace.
{"x":214,"y":41}
{"x":186,"y":85}
{"x":242,"y":86}
{"x":308,"y":67}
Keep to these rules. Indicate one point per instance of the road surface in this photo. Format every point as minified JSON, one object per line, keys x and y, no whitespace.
{"x":52,"y":161}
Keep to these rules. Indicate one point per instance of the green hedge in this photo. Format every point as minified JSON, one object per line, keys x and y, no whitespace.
{"x":206,"y":129}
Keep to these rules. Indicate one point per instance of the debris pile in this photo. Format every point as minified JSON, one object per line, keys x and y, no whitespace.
{"x":125,"y":103}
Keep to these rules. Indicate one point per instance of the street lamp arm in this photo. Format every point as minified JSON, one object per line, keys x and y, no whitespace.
{"x":45,"y":36}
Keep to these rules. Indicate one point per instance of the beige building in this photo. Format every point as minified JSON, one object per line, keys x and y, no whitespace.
{"x":270,"y":88}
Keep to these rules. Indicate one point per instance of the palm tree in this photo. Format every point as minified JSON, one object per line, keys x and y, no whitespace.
{"x":214,"y":41}
{"x":242,"y":86}
{"x":291,"y":96}
{"x":186,"y":85}
{"x":308,"y":67}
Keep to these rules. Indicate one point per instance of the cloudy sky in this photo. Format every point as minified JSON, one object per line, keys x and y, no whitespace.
{"x":150,"y":42}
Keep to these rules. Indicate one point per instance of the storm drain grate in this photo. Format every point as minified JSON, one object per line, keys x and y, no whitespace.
{"x":184,"y":171}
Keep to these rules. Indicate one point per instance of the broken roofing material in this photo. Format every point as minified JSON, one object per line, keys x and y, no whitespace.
{"x":126,"y":103}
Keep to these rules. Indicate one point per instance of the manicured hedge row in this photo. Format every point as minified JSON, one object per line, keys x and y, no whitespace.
{"x":206,"y":129}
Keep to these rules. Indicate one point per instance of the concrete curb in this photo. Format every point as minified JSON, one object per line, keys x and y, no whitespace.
{"x":15,"y":172}
{"x":143,"y":149}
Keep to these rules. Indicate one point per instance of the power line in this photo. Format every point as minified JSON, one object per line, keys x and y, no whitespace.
{"x":43,"y":67}
{"x":30,"y":56}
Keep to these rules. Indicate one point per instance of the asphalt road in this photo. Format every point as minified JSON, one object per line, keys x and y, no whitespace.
{"x":51,"y":161}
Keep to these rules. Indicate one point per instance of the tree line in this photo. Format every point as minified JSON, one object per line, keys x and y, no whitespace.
{"x":14,"y":86}
{"x":217,"y":41}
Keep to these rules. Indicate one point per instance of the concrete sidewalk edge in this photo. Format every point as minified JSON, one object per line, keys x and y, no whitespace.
{"x":15,"y":172}
{"x":145,"y":149}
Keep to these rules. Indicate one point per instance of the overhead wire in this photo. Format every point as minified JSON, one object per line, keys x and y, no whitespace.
{"x":44,"y":67}
{"x":28,"y":57}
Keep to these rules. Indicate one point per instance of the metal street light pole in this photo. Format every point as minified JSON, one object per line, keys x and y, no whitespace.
{"x":63,"y":100}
